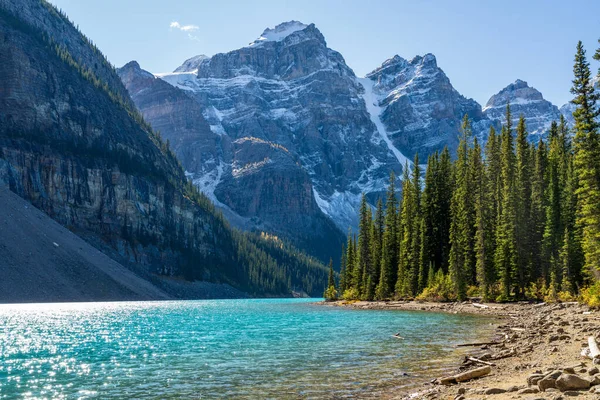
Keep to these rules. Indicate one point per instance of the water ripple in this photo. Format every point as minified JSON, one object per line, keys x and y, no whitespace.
{"x":234,"y":349}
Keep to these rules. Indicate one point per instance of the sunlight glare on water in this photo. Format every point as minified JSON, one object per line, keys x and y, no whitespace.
{"x":234,"y":349}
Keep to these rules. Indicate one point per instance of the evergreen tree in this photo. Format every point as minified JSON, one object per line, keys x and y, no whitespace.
{"x":407,"y":284}
{"x":483,"y":226}
{"x":377,"y":231}
{"x":429,"y":224}
{"x":586,"y":161}
{"x":364,"y":270}
{"x":331,"y":279}
{"x":460,"y":229}
{"x":389,"y":258}
{"x":554,"y":228}
{"x":444,"y":188}
{"x":505,"y":257}
{"x":522,"y":186}
{"x":342,"y":284}
{"x":538,"y":210}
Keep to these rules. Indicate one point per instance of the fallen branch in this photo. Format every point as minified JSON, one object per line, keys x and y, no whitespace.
{"x":476,"y":360}
{"x":466,"y":376}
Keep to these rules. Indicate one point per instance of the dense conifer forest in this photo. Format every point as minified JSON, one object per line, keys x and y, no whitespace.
{"x":508,"y":221}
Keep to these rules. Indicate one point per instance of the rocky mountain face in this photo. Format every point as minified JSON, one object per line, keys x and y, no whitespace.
{"x":283,"y":132}
{"x":524,"y":100}
{"x":420,"y":109}
{"x":72,"y":144}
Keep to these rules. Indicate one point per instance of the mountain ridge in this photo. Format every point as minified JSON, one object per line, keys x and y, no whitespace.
{"x":268,"y":90}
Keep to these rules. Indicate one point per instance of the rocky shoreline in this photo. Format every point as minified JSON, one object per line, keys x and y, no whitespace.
{"x":535,"y":352}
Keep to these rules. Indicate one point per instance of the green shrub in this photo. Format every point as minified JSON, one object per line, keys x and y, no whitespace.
{"x":591,"y":295}
{"x":331,"y":294}
{"x":536,"y":290}
{"x":440,"y":289}
{"x":351,"y":294}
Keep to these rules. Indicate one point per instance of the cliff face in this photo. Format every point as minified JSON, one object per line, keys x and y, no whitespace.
{"x":73,"y":145}
{"x":419,"y":107}
{"x":526,"y":101}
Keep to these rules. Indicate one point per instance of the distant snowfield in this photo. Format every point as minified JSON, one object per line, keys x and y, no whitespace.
{"x":374,"y":110}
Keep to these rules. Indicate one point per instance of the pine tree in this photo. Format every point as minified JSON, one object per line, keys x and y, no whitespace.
{"x":377,"y":231}
{"x":429,"y":223}
{"x":586,"y":161}
{"x":566,"y":257}
{"x":444,"y":190}
{"x":389,"y":258}
{"x":460,"y":229}
{"x":505,"y":257}
{"x":407,"y":284}
{"x":364,"y":269}
{"x":522,"y":186}
{"x":483,"y":226}
{"x":342,"y":284}
{"x":330,"y":291}
{"x":553,"y":221}
{"x":350,"y":262}
{"x":538,"y":210}
{"x":331,"y":279}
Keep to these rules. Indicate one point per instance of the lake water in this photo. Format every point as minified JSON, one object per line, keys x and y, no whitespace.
{"x":233,"y":349}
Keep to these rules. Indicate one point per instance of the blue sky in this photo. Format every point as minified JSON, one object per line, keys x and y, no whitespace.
{"x":481,"y":45}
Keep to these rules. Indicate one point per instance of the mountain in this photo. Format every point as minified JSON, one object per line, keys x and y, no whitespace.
{"x":72,"y":144}
{"x":524,"y":100}
{"x":282,"y":133}
{"x":418,"y":106}
{"x":297,"y":145}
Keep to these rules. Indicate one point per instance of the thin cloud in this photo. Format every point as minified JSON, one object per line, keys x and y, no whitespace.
{"x":184,"y":28}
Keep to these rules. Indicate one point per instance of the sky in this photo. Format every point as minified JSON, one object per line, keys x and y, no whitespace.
{"x":481,"y":45}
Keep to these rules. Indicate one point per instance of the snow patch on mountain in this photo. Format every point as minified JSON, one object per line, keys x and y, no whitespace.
{"x":372,"y":102}
{"x":192,"y":64}
{"x":208,"y":182}
{"x":342,"y":207}
{"x":280,"y":32}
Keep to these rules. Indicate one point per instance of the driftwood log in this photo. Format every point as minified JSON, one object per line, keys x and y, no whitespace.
{"x":594,"y":350}
{"x":478,"y":305}
{"x":477,"y":360}
{"x":466,"y":376}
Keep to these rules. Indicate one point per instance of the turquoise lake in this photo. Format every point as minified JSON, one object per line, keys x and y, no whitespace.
{"x":233,"y":349}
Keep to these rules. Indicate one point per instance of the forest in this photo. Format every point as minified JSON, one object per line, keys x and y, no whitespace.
{"x":511,"y":220}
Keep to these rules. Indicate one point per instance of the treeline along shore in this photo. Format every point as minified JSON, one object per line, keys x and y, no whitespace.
{"x":514,"y":219}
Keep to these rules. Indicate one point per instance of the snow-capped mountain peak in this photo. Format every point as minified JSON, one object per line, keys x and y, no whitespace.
{"x":192,"y":64}
{"x":524,"y":100}
{"x":280,"y":32}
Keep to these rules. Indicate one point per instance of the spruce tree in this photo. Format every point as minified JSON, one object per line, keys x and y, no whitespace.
{"x":389,"y":258}
{"x":364,"y":269}
{"x":522,"y":187}
{"x":428,"y":222}
{"x":538,"y":210}
{"x":483,"y":226}
{"x":443,"y":197}
{"x":377,"y":231}
{"x":460,"y":229}
{"x":342,"y":284}
{"x":586,"y":161}
{"x":505,"y":257}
